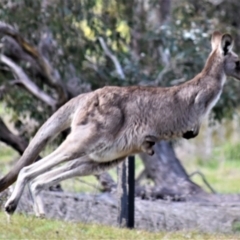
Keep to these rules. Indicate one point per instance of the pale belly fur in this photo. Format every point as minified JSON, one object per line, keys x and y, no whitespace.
{"x":119,"y":148}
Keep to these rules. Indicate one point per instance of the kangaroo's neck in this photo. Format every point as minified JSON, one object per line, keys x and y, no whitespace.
{"x":184,"y":106}
{"x":211,"y":82}
{"x":213,"y":71}
{"x":207,"y":86}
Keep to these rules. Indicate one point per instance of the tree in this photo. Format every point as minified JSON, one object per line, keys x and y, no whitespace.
{"x":59,"y":49}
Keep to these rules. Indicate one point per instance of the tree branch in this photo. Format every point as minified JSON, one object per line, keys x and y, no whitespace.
{"x":204,"y":180}
{"x":141,"y":176}
{"x":165,"y":10}
{"x":52,"y":77}
{"x":11,"y":139}
{"x":27,"y":83}
{"x":165,"y":58}
{"x":108,"y":53}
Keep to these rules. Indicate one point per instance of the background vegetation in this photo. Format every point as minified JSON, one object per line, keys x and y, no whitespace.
{"x":153,"y":45}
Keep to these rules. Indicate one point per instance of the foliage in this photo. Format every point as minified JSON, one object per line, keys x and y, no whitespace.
{"x":150,"y":52}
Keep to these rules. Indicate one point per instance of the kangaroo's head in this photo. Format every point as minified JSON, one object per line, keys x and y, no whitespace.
{"x":222,"y":45}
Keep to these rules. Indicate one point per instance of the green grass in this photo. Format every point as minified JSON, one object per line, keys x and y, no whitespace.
{"x":224,"y":179}
{"x":29,"y":227}
{"x":7,"y":155}
{"x":221,"y":169}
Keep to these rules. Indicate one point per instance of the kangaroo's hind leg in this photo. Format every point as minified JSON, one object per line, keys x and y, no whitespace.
{"x":78,"y":167}
{"x":70,"y":149}
{"x":50,"y":178}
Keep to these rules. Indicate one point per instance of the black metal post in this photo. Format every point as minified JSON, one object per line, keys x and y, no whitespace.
{"x":126,"y":191}
{"x":122,"y":193}
{"x":131,"y":191}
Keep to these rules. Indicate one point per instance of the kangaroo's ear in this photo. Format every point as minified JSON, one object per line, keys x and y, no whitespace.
{"x":226,"y":43}
{"x":216,"y":39}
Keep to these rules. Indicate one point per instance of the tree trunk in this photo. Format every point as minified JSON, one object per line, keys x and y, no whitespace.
{"x":167,"y":173}
{"x":165,"y":11}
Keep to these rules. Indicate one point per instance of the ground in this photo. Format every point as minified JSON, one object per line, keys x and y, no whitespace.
{"x":29,"y":227}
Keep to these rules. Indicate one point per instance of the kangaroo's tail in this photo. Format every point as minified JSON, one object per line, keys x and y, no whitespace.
{"x":58,"y":122}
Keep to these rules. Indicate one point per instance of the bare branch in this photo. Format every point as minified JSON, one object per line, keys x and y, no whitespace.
{"x":15,"y":51}
{"x":161,"y":74}
{"x":52,"y":76}
{"x":204,"y":180}
{"x":27,"y":83}
{"x":112,"y":57}
{"x":165,"y":11}
{"x":165,"y":58}
{"x":141,"y":176}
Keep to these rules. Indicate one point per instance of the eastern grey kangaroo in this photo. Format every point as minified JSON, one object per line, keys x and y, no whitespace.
{"x":111,"y":123}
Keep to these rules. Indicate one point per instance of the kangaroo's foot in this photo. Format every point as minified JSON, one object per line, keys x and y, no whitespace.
{"x":10,"y":206}
{"x":40,"y":215}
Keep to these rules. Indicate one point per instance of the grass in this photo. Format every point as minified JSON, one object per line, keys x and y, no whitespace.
{"x":29,"y":227}
{"x":7,"y":155}
{"x":221,"y":169}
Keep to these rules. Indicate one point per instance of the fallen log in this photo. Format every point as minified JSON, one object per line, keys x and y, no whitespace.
{"x":219,"y":214}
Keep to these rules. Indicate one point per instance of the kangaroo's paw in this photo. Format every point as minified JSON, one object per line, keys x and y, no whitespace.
{"x":150,"y":152}
{"x":148,"y":143}
{"x":40,"y":215}
{"x":147,"y":147}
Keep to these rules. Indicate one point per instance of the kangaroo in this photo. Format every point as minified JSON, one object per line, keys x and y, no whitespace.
{"x":111,"y":123}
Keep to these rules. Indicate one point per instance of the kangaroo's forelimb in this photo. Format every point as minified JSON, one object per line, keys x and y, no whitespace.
{"x":148,"y":143}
